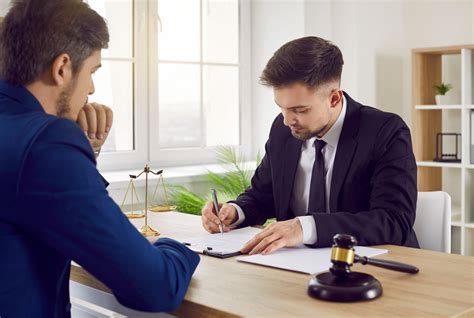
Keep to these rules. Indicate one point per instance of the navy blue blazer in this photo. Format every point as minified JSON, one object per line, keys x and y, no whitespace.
{"x":373,"y":190}
{"x":55,"y":208}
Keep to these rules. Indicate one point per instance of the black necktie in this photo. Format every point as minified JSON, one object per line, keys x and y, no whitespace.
{"x":317,"y":190}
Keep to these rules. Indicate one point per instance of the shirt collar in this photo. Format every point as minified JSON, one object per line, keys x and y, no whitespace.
{"x":332,"y":136}
{"x":21,"y":95}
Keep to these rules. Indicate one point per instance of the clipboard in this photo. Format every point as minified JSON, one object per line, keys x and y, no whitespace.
{"x":221,"y":254}
{"x":210,"y":252}
{"x":221,"y":245}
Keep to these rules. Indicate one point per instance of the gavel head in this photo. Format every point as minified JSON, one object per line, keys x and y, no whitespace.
{"x":342,"y":254}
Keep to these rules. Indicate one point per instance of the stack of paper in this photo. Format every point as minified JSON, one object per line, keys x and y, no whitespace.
{"x":300,"y":259}
{"x":304,"y":259}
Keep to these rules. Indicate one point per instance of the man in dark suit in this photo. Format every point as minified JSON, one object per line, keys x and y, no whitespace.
{"x":54,"y":204}
{"x":331,"y":164}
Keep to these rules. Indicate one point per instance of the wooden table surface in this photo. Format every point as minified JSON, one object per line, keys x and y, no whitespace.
{"x":227,"y":288}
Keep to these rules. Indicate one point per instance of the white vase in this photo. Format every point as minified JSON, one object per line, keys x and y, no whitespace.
{"x":442,"y":99}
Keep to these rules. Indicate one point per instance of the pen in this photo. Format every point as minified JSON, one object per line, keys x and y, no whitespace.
{"x":216,"y":207}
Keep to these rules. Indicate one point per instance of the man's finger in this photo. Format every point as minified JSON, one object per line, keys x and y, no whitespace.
{"x":225,"y":215}
{"x":264,"y":243}
{"x":204,"y":225}
{"x":254,"y":241}
{"x":91,"y":120}
{"x":82,"y":121}
{"x":109,"y":119}
{"x":230,"y":216}
{"x":210,"y":214}
{"x":276,"y":245}
{"x":209,"y":220}
{"x":101,"y":116}
{"x":210,"y":226}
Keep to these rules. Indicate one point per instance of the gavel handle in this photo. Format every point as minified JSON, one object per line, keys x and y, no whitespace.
{"x":394,"y":266}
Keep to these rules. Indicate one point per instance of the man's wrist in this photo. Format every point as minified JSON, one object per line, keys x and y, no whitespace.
{"x":97,"y":152}
{"x":308,"y":226}
{"x":240,"y":216}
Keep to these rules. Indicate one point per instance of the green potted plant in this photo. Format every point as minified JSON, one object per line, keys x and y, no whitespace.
{"x":441,"y":90}
{"x":229,"y":184}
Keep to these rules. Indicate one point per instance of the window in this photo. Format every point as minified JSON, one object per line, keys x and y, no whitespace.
{"x":176,"y":76}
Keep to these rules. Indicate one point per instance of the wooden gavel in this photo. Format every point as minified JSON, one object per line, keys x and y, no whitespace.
{"x":340,"y":284}
{"x":343,"y":256}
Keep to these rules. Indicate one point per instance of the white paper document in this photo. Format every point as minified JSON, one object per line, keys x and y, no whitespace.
{"x":300,"y":259}
{"x":304,"y":259}
{"x":228,"y":242}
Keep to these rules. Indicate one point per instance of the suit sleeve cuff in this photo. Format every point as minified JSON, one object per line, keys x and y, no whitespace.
{"x":106,"y":183}
{"x":240,"y":216}
{"x":308,"y":225}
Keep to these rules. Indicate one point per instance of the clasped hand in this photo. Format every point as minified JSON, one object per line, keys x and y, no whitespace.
{"x":96,"y":121}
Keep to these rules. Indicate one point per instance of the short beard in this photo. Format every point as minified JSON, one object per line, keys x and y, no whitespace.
{"x":308,"y":135}
{"x":63,"y":104}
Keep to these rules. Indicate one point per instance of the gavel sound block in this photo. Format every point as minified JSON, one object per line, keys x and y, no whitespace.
{"x":342,"y":285}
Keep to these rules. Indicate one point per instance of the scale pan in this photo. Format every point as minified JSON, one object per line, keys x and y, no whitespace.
{"x":135,"y":214}
{"x":163,"y":208}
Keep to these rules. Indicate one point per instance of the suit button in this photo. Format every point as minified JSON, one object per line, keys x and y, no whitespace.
{"x":68,"y":308}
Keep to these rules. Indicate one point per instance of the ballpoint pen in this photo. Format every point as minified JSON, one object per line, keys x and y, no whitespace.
{"x":216,"y":208}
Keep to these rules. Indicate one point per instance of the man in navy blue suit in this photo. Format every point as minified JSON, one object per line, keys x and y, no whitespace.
{"x":54,"y":205}
{"x":331,"y":164}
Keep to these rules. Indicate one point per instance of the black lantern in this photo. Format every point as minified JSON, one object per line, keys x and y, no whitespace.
{"x":441,"y":155}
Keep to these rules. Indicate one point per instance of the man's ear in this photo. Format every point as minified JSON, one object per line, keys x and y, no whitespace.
{"x":335,"y":97}
{"x":61,"y":70}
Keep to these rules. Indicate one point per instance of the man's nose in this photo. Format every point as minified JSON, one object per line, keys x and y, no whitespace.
{"x":92,"y":88}
{"x":288,"y":119}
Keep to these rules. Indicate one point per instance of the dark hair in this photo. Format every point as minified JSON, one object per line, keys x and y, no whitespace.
{"x":310,"y":60}
{"x":35,"y":32}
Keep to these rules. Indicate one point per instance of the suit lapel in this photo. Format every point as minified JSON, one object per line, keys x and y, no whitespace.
{"x":345,"y":150}
{"x":290,"y":162}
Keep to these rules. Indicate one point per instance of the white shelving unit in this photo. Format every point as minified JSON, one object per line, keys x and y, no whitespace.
{"x":432,"y":66}
{"x":431,"y":107}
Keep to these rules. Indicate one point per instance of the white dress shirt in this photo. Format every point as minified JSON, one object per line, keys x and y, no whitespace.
{"x":299,"y":199}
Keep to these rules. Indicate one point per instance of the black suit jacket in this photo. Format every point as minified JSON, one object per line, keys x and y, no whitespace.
{"x":373,"y":191}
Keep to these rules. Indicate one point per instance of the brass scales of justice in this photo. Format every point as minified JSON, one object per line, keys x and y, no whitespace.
{"x":146,"y":229}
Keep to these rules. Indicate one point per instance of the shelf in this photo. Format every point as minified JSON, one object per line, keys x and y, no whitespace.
{"x":439,"y":164}
{"x":456,"y":209}
{"x":433,"y":107}
{"x":456,"y":240}
{"x":469,"y":240}
{"x":452,"y":49}
{"x":456,"y":212}
{"x":456,"y":215}
{"x":431,"y":66}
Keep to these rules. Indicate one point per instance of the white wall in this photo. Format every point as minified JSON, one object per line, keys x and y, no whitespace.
{"x":375,"y":37}
{"x":4,"y":5}
{"x":274,"y":22}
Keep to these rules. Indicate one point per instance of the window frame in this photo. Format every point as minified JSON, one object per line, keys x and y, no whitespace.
{"x":145,"y":96}
{"x":117,"y":160}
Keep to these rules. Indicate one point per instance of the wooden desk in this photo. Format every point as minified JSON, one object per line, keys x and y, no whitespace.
{"x":227,"y":288}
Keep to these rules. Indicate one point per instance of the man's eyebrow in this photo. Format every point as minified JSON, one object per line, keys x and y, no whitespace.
{"x":293,"y":107}
{"x":97,"y":67}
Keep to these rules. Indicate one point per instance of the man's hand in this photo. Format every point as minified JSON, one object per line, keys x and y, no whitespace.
{"x":96,"y":121}
{"x":210,"y":222}
{"x":277,"y":235}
